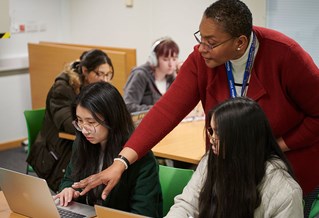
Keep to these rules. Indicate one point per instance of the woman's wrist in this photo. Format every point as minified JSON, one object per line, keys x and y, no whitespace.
{"x":126,"y":157}
{"x":129,"y":154}
{"x":123,"y":160}
{"x":120,"y":166}
{"x":282,"y":144}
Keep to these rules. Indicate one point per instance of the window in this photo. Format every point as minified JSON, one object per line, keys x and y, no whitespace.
{"x":299,"y":20}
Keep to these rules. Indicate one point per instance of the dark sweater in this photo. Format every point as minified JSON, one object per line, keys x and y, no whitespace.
{"x":138,"y":191}
{"x":49,"y":155}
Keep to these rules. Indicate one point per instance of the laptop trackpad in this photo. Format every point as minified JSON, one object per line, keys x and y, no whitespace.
{"x":79,"y":208}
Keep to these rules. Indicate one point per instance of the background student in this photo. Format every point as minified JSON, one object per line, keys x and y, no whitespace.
{"x":244,"y":173}
{"x":148,"y":82}
{"x":234,"y":58}
{"x":104,"y":125}
{"x":49,"y":155}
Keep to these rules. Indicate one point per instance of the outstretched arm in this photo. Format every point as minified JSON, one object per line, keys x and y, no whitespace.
{"x":178,"y":101}
{"x":109,"y":177}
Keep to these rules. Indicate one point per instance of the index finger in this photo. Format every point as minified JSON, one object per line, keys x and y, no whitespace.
{"x":90,"y":184}
{"x":107,"y":190}
{"x":82,"y":183}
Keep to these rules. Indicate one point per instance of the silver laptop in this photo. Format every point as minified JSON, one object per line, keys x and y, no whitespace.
{"x":30,"y":196}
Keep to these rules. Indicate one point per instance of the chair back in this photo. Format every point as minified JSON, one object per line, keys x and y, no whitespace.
{"x":311,"y":206}
{"x":34,"y":120}
{"x":173,"y":180}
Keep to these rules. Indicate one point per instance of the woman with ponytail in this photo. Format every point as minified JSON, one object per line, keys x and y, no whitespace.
{"x":49,"y":155}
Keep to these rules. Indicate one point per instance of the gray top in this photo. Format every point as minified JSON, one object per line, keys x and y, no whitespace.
{"x":281,"y":196}
{"x":140,"y":91}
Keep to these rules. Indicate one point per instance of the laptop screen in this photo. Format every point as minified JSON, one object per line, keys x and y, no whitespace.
{"x":30,"y":196}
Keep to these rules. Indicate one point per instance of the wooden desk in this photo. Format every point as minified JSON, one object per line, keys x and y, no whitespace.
{"x":47,"y":60}
{"x":184,"y":143}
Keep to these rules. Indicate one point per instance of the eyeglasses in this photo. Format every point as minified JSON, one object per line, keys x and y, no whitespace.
{"x":210,"y":133}
{"x":207,"y":46}
{"x":100,"y":74}
{"x":89,"y":127}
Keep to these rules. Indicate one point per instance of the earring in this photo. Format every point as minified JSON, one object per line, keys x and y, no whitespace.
{"x":238,"y":49}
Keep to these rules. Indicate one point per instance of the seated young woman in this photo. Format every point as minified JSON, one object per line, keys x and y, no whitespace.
{"x":49,"y":154}
{"x":148,"y":82}
{"x":104,"y":125}
{"x":244,"y":174}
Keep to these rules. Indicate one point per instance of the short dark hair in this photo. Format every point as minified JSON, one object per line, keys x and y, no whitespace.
{"x":233,"y":15}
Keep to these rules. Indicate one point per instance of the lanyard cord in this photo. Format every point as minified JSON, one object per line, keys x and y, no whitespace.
{"x":249,"y":66}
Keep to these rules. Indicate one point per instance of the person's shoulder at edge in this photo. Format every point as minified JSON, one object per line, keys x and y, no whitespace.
{"x":277,"y":177}
{"x":61,"y":85}
{"x":61,"y":78}
{"x":138,"y":74}
{"x":279,"y":191}
{"x":144,"y":68}
{"x":67,"y":79}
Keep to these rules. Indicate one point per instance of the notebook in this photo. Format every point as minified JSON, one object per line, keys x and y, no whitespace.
{"x":106,"y":212}
{"x":30,"y":196}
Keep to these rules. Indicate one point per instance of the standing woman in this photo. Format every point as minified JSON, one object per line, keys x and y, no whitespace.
{"x":244,"y":173}
{"x":49,"y":155}
{"x":104,"y":125}
{"x":148,"y":82}
{"x":235,"y":58}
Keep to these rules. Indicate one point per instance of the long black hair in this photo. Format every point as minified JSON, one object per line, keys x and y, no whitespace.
{"x":108,"y":108}
{"x":246,"y":143}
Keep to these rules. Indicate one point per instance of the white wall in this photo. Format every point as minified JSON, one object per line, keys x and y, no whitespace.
{"x":15,"y":97}
{"x":304,"y":27}
{"x":98,"y":22}
{"x":15,"y":94}
{"x":112,"y":23}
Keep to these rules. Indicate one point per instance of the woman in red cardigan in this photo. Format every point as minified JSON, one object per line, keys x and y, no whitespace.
{"x":234,"y":58}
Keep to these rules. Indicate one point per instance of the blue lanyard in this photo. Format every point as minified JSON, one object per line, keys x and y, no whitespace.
{"x":249,"y":65}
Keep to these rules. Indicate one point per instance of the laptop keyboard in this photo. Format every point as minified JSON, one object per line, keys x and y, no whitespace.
{"x":67,"y":214}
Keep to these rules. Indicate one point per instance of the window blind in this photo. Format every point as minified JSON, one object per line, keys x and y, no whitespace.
{"x":298,"y":19}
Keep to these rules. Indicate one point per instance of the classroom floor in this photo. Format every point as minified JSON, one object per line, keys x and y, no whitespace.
{"x":14,"y":159}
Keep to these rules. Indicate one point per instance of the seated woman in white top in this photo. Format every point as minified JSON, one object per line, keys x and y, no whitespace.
{"x":244,"y":174}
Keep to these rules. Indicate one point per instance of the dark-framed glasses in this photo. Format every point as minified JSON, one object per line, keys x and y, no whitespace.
{"x":100,"y":74}
{"x":88,"y":127}
{"x":206,"y":45}
{"x":212,"y":139}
